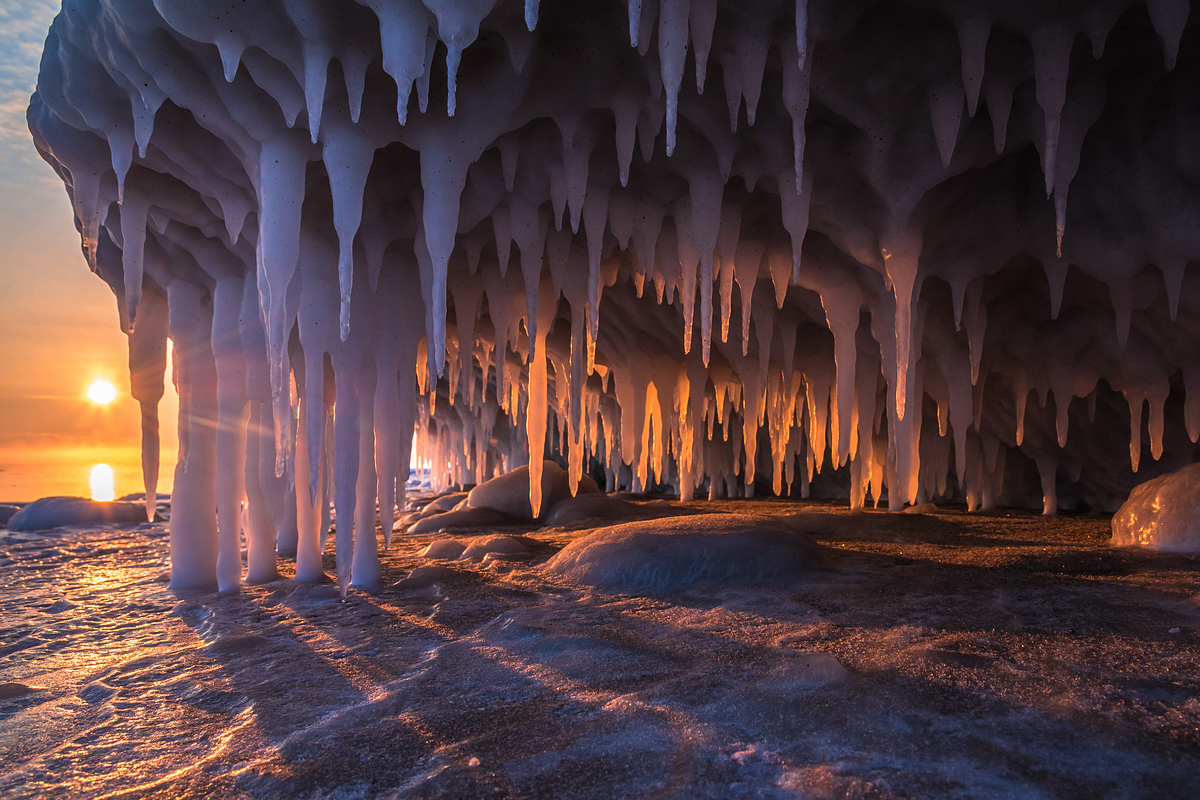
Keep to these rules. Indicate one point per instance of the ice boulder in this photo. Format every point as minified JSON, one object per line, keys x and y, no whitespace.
{"x":1163,"y":513}
{"x":56,"y":512}
{"x":510,"y":492}
{"x":7,"y":512}
{"x":585,"y":509}
{"x":461,"y":518}
{"x":443,"y":548}
{"x":665,"y":555}
{"x":478,"y":547}
{"x":483,"y":546}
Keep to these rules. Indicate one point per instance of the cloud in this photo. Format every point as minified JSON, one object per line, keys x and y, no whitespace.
{"x":23,"y":27}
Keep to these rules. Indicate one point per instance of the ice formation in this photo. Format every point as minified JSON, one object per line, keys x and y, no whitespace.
{"x":1163,"y":513}
{"x":667,"y":555}
{"x":824,"y":245}
{"x":56,"y":512}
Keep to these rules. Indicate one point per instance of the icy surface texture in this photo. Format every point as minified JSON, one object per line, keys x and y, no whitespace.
{"x":826,"y":246}
{"x":667,"y":555}
{"x":1163,"y":513}
{"x":57,"y":512}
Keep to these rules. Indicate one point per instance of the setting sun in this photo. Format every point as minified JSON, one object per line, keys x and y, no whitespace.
{"x":103,"y":488}
{"x":102,"y":392}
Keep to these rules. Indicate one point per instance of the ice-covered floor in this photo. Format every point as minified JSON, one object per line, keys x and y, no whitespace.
{"x":946,"y":655}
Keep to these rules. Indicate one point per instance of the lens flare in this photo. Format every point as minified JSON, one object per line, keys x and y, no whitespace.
{"x":102,"y":483}
{"x":102,"y":392}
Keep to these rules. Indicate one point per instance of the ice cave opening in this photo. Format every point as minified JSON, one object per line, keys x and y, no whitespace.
{"x":888,"y":252}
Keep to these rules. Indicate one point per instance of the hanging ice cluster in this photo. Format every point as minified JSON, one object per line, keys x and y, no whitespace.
{"x":693,"y":242}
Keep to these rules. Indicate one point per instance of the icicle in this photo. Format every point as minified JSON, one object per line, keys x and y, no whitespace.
{"x":595,"y":220}
{"x":635,"y":20}
{"x":749,"y":258}
{"x":365,"y":568}
{"x":1020,"y":398}
{"x":348,"y":157}
{"x":147,"y":364}
{"x":308,"y":516}
{"x":1122,"y":310}
{"x":626,"y":110}
{"x":232,"y":417}
{"x":945,"y":106}
{"x":1136,"y":400}
{"x":705,"y":191}
{"x":672,"y":52}
{"x":403,"y":29}
{"x":1172,"y":271}
{"x":1169,"y":18}
{"x":458,"y":27}
{"x":133,"y":235}
{"x":795,"y":201}
{"x":531,"y":14}
{"x":443,"y":176}
{"x":231,"y":56}
{"x":502,"y":229}
{"x":703,"y":17}
{"x":801,"y":33}
{"x":795,"y":99}
{"x":316,"y":72}
{"x":901,"y":254}
{"x":1051,"y":62}
{"x":973,"y":34}
{"x":751,"y":48}
{"x":281,"y":194}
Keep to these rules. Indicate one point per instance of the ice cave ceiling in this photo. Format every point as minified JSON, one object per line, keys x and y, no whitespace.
{"x":921,"y":250}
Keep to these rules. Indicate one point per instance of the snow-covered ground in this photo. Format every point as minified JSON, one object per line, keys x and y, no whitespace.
{"x":944,"y":655}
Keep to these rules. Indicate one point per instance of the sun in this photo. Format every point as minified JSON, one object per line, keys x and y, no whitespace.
{"x":102,"y":392}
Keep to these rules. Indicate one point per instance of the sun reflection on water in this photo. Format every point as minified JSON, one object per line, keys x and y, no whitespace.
{"x":102,"y":483}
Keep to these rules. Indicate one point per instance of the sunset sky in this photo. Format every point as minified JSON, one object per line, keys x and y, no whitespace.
{"x":58,"y":323}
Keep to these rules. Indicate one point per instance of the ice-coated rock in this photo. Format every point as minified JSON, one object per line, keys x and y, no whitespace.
{"x":56,"y":512}
{"x":509,"y":493}
{"x":1163,"y":513}
{"x":667,"y":555}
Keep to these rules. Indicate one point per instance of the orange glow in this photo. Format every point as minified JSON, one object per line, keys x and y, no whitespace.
{"x":103,"y":488}
{"x":102,"y":392}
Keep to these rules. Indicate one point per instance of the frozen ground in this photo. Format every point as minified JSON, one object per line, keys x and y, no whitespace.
{"x":946,"y":655}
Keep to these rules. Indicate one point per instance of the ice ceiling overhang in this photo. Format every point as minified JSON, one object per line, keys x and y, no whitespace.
{"x":699,"y":242}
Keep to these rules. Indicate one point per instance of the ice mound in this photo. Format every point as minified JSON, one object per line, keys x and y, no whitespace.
{"x":478,"y":548}
{"x":1163,"y":513}
{"x":443,"y":548}
{"x":510,"y":492}
{"x":6,"y":513}
{"x":445,"y":502}
{"x":666,"y":555}
{"x":461,"y":518}
{"x":55,"y":512}
{"x":586,"y":509}
{"x":424,"y":577}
